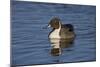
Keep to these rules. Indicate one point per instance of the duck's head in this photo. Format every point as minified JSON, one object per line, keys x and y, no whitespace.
{"x":54,"y":23}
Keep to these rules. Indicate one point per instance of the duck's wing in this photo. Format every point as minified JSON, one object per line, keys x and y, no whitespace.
{"x":67,"y":31}
{"x":68,"y":26}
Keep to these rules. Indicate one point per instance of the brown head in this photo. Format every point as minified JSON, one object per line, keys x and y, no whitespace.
{"x":55,"y":23}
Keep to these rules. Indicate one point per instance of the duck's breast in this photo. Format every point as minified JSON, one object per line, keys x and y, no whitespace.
{"x":55,"y":34}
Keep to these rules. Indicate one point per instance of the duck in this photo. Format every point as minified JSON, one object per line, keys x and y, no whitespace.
{"x":61,"y":36}
{"x":59,"y":30}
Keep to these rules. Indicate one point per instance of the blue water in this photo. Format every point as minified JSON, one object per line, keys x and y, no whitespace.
{"x":29,"y":41}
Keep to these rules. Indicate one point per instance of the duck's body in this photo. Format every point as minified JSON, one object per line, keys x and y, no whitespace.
{"x":63,"y":32}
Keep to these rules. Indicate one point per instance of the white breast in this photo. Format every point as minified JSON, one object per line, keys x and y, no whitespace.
{"x":55,"y":34}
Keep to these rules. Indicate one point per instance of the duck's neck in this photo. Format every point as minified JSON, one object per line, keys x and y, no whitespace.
{"x":55,"y":33}
{"x":58,"y":27}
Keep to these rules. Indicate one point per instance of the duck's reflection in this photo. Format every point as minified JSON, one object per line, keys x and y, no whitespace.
{"x":58,"y":44}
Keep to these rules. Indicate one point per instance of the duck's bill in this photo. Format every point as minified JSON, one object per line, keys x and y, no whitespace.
{"x":48,"y":26}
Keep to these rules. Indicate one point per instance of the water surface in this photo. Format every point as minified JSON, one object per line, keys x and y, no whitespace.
{"x":30,"y":44}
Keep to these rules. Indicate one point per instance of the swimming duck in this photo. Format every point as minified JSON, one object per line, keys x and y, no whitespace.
{"x":60,"y":31}
{"x":61,"y":35}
